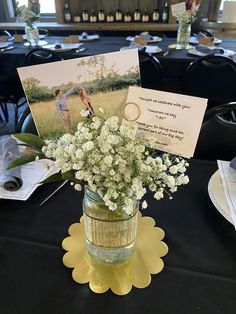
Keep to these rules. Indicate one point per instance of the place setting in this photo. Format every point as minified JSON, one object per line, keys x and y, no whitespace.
{"x":72,"y":42}
{"x":5,"y":46}
{"x":84,"y":37}
{"x":195,"y":40}
{"x":204,"y":50}
{"x":142,"y":43}
{"x":64,"y":47}
{"x":146,"y":36}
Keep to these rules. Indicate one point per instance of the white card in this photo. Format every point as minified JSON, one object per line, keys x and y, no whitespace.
{"x":31,"y":174}
{"x":173,"y":121}
{"x":177,"y":8}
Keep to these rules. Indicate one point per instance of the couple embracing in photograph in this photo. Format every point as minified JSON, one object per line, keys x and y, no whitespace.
{"x":62,"y":106}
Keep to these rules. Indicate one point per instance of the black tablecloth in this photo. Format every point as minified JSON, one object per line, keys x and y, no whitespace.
{"x":174,"y":64}
{"x":200,"y":268}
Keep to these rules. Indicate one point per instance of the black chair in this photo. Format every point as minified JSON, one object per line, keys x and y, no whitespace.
{"x":6,"y":34}
{"x":212,"y":77}
{"x":43,"y":32}
{"x":161,"y":35}
{"x":202,"y":33}
{"x":150,"y":71}
{"x":217,"y":139}
{"x":26,"y":123}
{"x":11,"y":91}
{"x":40,"y":56}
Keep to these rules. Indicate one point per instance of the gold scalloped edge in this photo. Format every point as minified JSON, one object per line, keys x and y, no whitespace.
{"x":120,"y":278}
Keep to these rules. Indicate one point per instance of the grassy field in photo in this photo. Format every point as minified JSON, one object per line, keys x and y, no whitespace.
{"x":49,"y":123}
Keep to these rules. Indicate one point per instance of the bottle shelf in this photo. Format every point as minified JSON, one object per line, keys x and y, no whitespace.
{"x":121,"y":26}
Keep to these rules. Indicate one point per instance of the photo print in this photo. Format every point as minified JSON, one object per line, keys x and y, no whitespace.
{"x":58,"y":91}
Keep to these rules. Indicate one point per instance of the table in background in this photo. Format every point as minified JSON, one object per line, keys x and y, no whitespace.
{"x":174,"y":64}
{"x":200,"y":268}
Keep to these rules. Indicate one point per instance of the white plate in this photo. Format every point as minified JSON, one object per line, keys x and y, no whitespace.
{"x":89,"y":38}
{"x":217,"y":196}
{"x":64,"y":47}
{"x":40,"y":36}
{"x":194,"y":40}
{"x":155,"y":39}
{"x":149,"y":49}
{"x":4,"y":45}
{"x":227,"y":53}
{"x":40,"y":43}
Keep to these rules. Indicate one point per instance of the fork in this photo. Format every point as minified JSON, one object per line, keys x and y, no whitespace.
{"x":7,"y":48}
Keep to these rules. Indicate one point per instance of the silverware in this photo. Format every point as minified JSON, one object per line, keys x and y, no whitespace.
{"x":57,"y":189}
{"x":166,"y":52}
{"x":80,"y":50}
{"x":7,"y":48}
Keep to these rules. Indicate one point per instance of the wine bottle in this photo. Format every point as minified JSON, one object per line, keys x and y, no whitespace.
{"x":93,"y":17}
{"x":110,"y":17}
{"x":137,"y":15}
{"x":165,"y":13}
{"x":145,"y":17}
{"x":156,"y":15}
{"x":101,"y":16}
{"x":127,"y":17}
{"x":67,"y":13}
{"x":118,"y":13}
{"x":85,"y":15}
{"x":77,"y":18}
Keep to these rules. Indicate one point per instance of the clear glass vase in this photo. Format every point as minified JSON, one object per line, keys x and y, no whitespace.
{"x":110,"y":235}
{"x":32,"y":34}
{"x":183,"y":36}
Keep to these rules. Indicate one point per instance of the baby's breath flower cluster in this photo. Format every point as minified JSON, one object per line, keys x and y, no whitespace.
{"x":114,"y":161}
{"x":185,"y":17}
{"x":30,"y":14}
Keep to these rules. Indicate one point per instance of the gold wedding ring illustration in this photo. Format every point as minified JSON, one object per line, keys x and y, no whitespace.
{"x":131,"y":111}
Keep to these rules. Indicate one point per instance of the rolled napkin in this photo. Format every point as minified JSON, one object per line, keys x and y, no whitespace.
{"x":207,"y":50}
{"x":11,"y":179}
{"x":146,"y":36}
{"x":84,"y":35}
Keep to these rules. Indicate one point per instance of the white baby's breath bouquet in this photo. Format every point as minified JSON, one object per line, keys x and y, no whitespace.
{"x":111,"y":159}
{"x":30,"y":14}
{"x":185,"y":17}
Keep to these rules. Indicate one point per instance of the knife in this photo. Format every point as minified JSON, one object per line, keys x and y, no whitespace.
{"x":7,"y":48}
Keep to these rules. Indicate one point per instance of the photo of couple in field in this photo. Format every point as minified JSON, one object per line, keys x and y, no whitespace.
{"x":58,"y":91}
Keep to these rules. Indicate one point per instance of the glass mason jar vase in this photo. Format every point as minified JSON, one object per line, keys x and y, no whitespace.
{"x":183,"y":36}
{"x":32,"y":34}
{"x":110,"y":235}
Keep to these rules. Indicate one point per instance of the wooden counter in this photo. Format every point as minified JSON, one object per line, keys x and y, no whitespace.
{"x":116,"y":27}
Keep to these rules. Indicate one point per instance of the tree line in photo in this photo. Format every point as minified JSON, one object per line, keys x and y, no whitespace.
{"x":111,"y":82}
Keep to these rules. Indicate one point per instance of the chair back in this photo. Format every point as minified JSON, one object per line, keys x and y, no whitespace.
{"x":40,"y":56}
{"x":150,"y":71}
{"x":26,"y":123}
{"x":202,"y":33}
{"x":4,"y":32}
{"x":217,"y":139}
{"x":212,"y":77}
{"x":43,"y":32}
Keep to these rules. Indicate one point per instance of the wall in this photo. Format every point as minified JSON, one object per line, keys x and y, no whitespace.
{"x":2,"y":12}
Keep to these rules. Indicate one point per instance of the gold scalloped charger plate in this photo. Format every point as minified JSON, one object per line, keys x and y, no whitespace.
{"x":120,"y":278}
